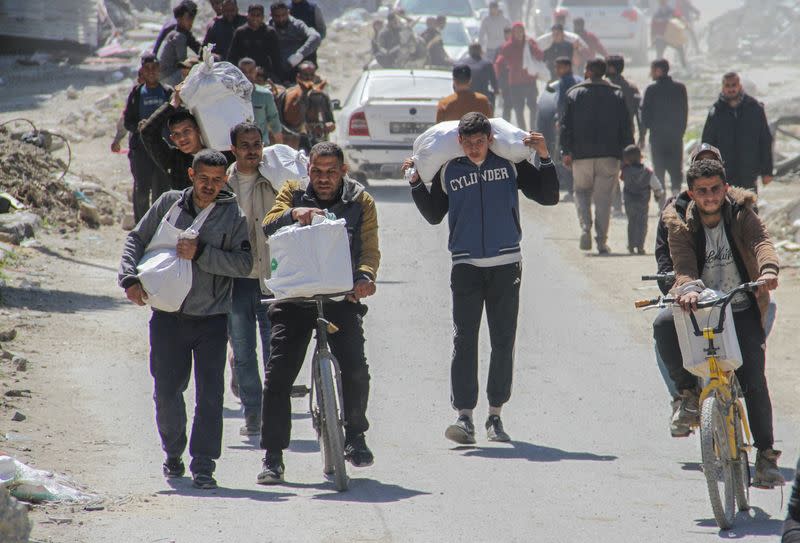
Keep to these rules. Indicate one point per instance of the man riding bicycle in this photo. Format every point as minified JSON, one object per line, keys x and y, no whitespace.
{"x":719,"y":243}
{"x":331,"y":190}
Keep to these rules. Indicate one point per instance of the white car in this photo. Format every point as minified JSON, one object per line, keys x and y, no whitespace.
{"x":460,"y":10}
{"x":455,"y":38}
{"x":385,"y":112}
{"x":620,"y":24}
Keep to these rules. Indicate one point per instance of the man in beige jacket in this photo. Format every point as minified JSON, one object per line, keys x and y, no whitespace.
{"x":256,"y":197}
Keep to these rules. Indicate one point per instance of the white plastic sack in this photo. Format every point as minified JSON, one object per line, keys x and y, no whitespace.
{"x":280,"y":163}
{"x":310,"y":260}
{"x":165,"y":277}
{"x":438,"y":144}
{"x":534,"y":66}
{"x":219,"y":96}
{"x":693,"y":348}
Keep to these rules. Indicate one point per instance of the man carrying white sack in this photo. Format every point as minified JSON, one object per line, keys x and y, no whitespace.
{"x":480,"y":192}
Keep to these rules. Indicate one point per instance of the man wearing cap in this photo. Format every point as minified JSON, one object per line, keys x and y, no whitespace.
{"x":149,"y":181}
{"x":464,"y":100}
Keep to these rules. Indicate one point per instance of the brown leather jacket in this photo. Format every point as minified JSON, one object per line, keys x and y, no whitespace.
{"x":752,"y":247}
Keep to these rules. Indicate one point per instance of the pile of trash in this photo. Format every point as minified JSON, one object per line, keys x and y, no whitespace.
{"x":37,"y":486}
{"x":764,"y":29}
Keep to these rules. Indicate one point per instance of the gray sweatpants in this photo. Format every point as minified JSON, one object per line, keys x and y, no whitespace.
{"x":594,"y":181}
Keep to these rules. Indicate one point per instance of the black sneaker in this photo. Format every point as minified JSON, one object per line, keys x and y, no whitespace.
{"x":173,"y":468}
{"x":272,"y":470}
{"x":494,"y":429}
{"x":252,"y":426}
{"x":357,"y":453}
{"x":204,"y":481}
{"x":462,"y":432}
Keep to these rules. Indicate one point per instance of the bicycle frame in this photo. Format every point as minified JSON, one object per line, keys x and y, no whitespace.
{"x":324,"y":327}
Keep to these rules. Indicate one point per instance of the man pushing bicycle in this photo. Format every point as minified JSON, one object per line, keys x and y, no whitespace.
{"x":719,"y":243}
{"x":331,"y":190}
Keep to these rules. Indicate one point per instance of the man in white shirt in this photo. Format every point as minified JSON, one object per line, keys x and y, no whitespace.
{"x":491,"y":34}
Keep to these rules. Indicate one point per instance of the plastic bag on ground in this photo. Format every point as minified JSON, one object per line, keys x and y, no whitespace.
{"x":438,"y":144}
{"x":32,"y":485}
{"x":218,"y":95}
{"x":281,"y":163}
{"x":310,"y":260}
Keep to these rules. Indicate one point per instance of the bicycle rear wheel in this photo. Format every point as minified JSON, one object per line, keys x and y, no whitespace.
{"x":332,"y":434}
{"x":717,"y":465}
{"x":741,"y":468}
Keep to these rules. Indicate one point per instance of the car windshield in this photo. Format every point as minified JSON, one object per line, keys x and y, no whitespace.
{"x":411,"y":87}
{"x":452,"y":8}
{"x":454,"y":34}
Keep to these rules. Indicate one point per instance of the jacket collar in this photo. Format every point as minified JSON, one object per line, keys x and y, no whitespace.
{"x":350,"y":190}
{"x":683,"y":213}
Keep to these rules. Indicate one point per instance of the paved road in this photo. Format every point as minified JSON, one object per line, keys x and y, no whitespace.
{"x":590,"y":460}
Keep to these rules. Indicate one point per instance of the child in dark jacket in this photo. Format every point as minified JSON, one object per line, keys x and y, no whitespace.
{"x":638,"y":181}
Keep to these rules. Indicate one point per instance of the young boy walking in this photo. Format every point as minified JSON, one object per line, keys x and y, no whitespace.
{"x":639,"y":181}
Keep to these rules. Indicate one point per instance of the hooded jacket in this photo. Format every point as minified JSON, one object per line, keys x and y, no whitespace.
{"x":596,"y":122}
{"x":742,"y":135}
{"x":752,"y":247}
{"x":295,"y":37}
{"x":509,"y":60}
{"x":665,"y":110}
{"x":353,"y":204}
{"x":223,"y":252}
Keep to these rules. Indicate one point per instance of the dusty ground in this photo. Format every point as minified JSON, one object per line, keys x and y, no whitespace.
{"x":591,"y":456}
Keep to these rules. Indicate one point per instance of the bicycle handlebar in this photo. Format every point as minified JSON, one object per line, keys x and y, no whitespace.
{"x":306,"y":299}
{"x":659,"y":276}
{"x":663,"y":301}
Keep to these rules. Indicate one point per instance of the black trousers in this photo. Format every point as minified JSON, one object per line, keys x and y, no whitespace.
{"x":174,"y":342}
{"x":498,"y":289}
{"x":752,"y":379}
{"x":292,"y":325}
{"x":636,"y":210}
{"x":668,"y":158}
{"x":149,"y":182}
{"x":518,"y":96}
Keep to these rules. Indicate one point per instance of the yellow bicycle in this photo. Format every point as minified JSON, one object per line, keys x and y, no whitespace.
{"x":724,"y":432}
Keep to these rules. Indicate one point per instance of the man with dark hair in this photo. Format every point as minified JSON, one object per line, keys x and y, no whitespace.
{"x":220,"y":31}
{"x":258,"y":41}
{"x":311,"y":14}
{"x":198,"y":329}
{"x":594,"y":131}
{"x":265,"y":112}
{"x":483,"y":79}
{"x":491,"y":32}
{"x":665,"y":111}
{"x":434,"y":45}
{"x":719,"y":243}
{"x":330,"y":189}
{"x":560,"y":48}
{"x":737,"y":125}
{"x":521,"y":85}
{"x":174,"y":49}
{"x":480,"y":192}
{"x":256,"y":196}
{"x":615,"y":65}
{"x":185,"y":10}
{"x":297,"y":41}
{"x":464,"y":99}
{"x":149,"y":181}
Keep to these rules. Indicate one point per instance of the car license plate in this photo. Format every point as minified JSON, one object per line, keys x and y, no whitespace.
{"x":408,"y":127}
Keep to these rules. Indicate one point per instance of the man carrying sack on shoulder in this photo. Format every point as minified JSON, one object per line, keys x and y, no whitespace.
{"x":206,"y":228}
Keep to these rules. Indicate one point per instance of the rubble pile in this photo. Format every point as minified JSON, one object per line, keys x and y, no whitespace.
{"x":347,"y":47}
{"x":763,"y":29}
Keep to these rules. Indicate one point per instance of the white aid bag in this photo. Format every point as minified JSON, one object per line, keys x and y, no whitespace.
{"x":439,"y":144}
{"x":534,"y":66}
{"x":219,"y":96}
{"x":694,"y":349}
{"x":165,"y":277}
{"x":310,"y":260}
{"x":281,"y":163}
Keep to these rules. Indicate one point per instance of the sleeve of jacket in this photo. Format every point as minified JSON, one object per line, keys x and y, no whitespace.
{"x":235,"y":262}
{"x":757,"y":239}
{"x":319,"y":22}
{"x":566,"y":139}
{"x":281,"y":213}
{"x":539,"y":185}
{"x":709,"y":129}
{"x":764,"y":144}
{"x":683,"y":107}
{"x":663,"y":258}
{"x":131,"y":113}
{"x":273,"y":117}
{"x":535,"y":51}
{"x":433,"y":204}
{"x":439,"y":112}
{"x":193,"y":44}
{"x":313,"y":39}
{"x":625,"y":125}
{"x":370,"y":257}
{"x":682,"y":251}
{"x":150,"y":132}
{"x":646,"y":111}
{"x":234,"y":54}
{"x":138,"y":239}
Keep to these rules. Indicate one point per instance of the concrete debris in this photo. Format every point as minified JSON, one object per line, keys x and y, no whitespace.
{"x":15,"y":227}
{"x":18,"y":393}
{"x":8,"y":335}
{"x":765,"y":29}
{"x":18,"y":417}
{"x":20,"y":364}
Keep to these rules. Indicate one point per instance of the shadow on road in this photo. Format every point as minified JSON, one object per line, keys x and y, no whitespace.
{"x":369,"y":491}
{"x":304,"y":446}
{"x":51,"y":253}
{"x":755,"y":522}
{"x":183,"y":487}
{"x":520,"y":450}
{"x":57,"y":301}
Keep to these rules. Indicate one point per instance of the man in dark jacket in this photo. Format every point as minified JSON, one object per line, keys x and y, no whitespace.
{"x":665,"y":111}
{"x":594,"y":131}
{"x":182,"y":14}
{"x":480,"y":193}
{"x":220,"y":31}
{"x":198,"y":330}
{"x":149,"y":181}
{"x":483,"y":80}
{"x":297,"y":41}
{"x":560,"y":48}
{"x":176,"y":44}
{"x":737,"y":125}
{"x":630,"y":92}
{"x":258,"y":41}
{"x":311,"y":14}
{"x":434,"y":45}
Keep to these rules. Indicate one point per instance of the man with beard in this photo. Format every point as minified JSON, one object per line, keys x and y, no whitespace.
{"x":311,"y":14}
{"x":297,"y":41}
{"x":220,"y":31}
{"x":258,"y":41}
{"x":737,"y":126}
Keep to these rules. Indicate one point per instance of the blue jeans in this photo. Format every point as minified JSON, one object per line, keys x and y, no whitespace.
{"x":246,"y":312}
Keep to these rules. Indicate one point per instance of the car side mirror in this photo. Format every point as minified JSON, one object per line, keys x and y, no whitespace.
{"x":336,"y":104}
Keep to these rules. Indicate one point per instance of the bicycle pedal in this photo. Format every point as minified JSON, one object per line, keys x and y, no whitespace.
{"x":299,"y":391}
{"x":332,"y":328}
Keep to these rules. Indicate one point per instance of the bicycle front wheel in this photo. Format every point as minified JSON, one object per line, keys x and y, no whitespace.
{"x":717,"y":465}
{"x":332,"y":434}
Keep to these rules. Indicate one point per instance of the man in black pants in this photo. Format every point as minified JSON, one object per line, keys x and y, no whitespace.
{"x":665,"y":111}
{"x":719,"y":243}
{"x":198,"y":330}
{"x":480,"y":192}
